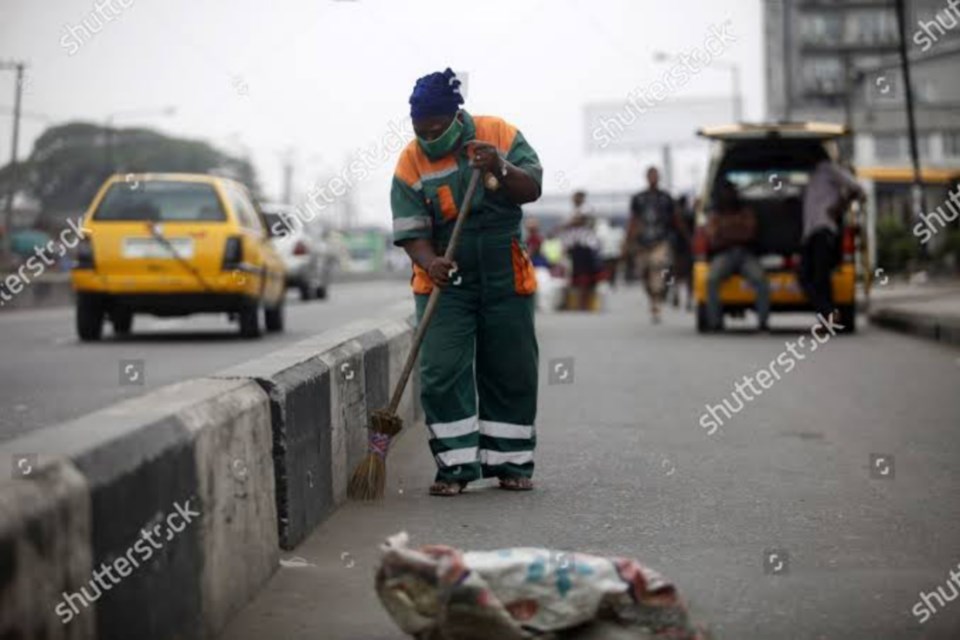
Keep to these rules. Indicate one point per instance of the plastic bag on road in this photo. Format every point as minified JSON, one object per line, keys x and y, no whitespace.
{"x":441,"y":593}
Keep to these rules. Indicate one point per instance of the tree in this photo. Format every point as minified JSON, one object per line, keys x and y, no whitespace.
{"x":69,"y":162}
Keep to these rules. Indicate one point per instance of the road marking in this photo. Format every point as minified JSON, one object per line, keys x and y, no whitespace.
{"x":296,"y":562}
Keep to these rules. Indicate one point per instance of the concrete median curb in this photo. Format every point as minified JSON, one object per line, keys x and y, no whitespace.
{"x":45,"y":548}
{"x":196,"y":449}
{"x":250,"y":460}
{"x":321,"y":391}
{"x":941,"y":328}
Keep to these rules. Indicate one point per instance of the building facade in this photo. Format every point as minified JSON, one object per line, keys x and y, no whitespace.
{"x":839,"y":61}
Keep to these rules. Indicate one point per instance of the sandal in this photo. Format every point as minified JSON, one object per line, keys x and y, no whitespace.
{"x":516,"y":484}
{"x":447,"y":489}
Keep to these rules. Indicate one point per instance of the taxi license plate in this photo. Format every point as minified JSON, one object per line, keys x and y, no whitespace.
{"x":153,"y":248}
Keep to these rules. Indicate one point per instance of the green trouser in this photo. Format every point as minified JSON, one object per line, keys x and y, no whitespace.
{"x":478,"y":364}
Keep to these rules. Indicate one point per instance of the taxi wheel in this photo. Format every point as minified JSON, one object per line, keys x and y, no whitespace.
{"x":274,"y":318}
{"x":306,"y":292}
{"x":249,"y":317}
{"x":321,"y":293}
{"x":89,"y":317}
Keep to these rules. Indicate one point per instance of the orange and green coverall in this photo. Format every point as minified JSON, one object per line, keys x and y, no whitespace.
{"x":479,"y":359}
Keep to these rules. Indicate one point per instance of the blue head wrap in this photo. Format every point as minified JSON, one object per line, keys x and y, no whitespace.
{"x":436,"y":94}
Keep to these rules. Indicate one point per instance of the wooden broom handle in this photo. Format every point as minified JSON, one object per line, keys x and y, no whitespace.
{"x":434,"y":296}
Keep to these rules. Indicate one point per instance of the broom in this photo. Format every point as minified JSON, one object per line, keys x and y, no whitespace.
{"x":369,"y":479}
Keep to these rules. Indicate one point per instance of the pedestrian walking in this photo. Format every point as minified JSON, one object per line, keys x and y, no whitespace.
{"x":583,"y":249}
{"x":479,"y":360}
{"x":652,"y":219}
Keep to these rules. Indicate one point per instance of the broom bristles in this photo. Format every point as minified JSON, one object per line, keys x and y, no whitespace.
{"x":369,"y":479}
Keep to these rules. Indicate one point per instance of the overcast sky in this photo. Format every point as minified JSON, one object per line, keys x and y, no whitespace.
{"x":326,"y":77}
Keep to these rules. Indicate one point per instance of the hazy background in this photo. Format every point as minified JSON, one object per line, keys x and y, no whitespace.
{"x":319,"y":79}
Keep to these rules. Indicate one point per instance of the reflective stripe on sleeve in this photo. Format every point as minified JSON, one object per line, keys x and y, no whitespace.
{"x":411,"y":223}
{"x":443,"y":173}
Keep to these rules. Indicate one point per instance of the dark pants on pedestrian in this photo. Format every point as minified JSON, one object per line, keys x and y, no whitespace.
{"x":819,"y":258}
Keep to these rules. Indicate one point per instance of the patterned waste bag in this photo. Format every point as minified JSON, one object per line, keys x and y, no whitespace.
{"x":442,"y":593}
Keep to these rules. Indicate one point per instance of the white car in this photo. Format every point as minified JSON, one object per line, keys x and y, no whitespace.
{"x":306,"y":255}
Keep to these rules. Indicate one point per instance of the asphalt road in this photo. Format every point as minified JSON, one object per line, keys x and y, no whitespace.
{"x":625,"y":468}
{"x":47,"y":375}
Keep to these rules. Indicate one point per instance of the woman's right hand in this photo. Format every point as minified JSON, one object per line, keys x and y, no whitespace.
{"x":439,"y":270}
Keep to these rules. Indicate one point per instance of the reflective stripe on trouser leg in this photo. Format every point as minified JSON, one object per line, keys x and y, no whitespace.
{"x":447,"y":387}
{"x":455,"y":448}
{"x":507,"y":357}
{"x":507,"y":449}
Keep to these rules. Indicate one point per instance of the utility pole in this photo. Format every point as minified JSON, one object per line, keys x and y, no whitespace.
{"x":846,"y":143}
{"x":108,"y":148}
{"x":787,"y":61}
{"x":918,"y":198}
{"x":6,"y":248}
{"x":737,"y":92}
{"x":667,"y":154}
{"x":287,"y":161}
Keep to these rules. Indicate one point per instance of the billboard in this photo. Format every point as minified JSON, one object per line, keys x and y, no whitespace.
{"x":635,"y":124}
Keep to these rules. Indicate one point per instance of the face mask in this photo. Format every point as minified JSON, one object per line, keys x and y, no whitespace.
{"x":445,"y":143}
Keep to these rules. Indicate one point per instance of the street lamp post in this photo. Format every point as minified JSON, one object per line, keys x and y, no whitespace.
{"x":737,"y":93}
{"x":732,"y":67}
{"x":6,"y":248}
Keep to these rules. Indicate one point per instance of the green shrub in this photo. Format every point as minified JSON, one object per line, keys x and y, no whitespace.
{"x":948,"y":253}
{"x":897,"y":247}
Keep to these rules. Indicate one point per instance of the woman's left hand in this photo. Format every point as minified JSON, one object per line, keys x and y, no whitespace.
{"x":486,"y":157}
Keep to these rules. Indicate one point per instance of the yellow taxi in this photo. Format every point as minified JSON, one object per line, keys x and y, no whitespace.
{"x":770,"y":164}
{"x":171,"y":244}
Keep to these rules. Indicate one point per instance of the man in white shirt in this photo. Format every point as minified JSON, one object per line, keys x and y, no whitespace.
{"x":827,"y":197}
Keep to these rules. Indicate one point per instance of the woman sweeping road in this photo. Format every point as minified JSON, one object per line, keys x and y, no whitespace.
{"x":478,"y":364}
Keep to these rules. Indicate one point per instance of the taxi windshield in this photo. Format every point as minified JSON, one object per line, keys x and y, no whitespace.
{"x":160,"y":201}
